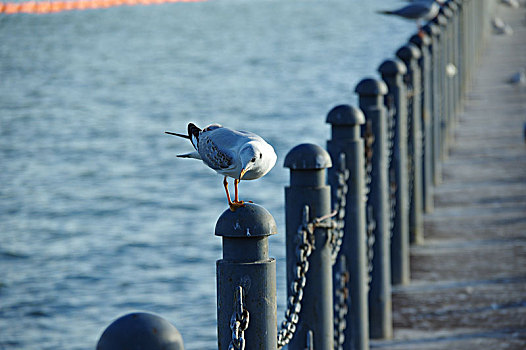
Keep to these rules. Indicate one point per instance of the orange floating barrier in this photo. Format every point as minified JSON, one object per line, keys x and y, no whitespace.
{"x":11,"y":7}
{"x":69,"y":5}
{"x":28,"y":7}
{"x":43,"y":7}
{"x":56,"y":6}
{"x":81,"y":5}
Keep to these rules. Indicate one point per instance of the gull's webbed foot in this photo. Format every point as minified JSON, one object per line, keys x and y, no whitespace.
{"x":235,"y":205}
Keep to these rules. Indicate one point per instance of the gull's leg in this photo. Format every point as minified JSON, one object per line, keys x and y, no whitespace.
{"x":236,"y":196}
{"x":225,"y":183}
{"x":419,"y":26}
{"x":236,"y":203}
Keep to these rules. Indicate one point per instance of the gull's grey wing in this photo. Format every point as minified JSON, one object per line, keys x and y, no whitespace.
{"x":412,"y":11}
{"x":215,"y":148}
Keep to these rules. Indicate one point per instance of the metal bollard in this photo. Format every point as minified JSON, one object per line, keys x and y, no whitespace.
{"x":141,"y":330}
{"x":371,"y":100}
{"x":434,"y":33}
{"x":308,"y":188}
{"x":423,"y":43}
{"x":346,"y":121}
{"x":441,"y":23}
{"x":246,"y":264}
{"x":448,"y":14}
{"x":392,"y":72}
{"x":409,"y":54}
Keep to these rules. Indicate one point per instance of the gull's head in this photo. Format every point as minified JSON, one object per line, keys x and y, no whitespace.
{"x":257,"y":158}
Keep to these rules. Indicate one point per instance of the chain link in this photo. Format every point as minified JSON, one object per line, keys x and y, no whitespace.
{"x":371,"y":222}
{"x":391,"y":145}
{"x":341,"y":305}
{"x":339,"y":204}
{"x":304,"y":249}
{"x":238,"y":322}
{"x":410,"y":146}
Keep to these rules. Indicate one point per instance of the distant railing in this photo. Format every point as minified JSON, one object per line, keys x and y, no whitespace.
{"x":343,"y":255}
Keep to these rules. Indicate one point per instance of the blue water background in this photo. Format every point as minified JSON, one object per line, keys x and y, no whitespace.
{"x":97,"y":216}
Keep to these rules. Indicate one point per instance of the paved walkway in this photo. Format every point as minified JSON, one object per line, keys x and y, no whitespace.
{"x":468,"y":288}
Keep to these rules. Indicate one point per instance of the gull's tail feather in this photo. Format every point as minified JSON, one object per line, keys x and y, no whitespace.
{"x":193,"y":136}
{"x":385,"y":12}
{"x":176,"y":134}
{"x":193,"y":155}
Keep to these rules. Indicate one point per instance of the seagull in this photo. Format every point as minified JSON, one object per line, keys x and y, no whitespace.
{"x":416,"y":10}
{"x":511,"y":3}
{"x":241,"y":155}
{"x":518,"y":78}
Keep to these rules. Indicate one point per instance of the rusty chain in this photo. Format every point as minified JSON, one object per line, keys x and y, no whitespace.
{"x":238,"y":322}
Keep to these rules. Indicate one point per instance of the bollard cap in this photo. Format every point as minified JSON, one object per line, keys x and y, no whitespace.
{"x":408,"y":52}
{"x":421,"y":40}
{"x":431,"y":29}
{"x":440,"y":20}
{"x":446,"y":12}
{"x":251,"y":220}
{"x":345,"y":115}
{"x":307,"y":156}
{"x":371,"y":87}
{"x":452,"y":5}
{"x":392,"y":67}
{"x":141,"y":330}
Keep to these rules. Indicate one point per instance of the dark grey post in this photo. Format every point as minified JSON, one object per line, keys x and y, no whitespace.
{"x":448,"y":93}
{"x":423,"y":42}
{"x":392,"y":72}
{"x":409,"y":55}
{"x":308,"y":164}
{"x":450,"y":81}
{"x":371,"y":100}
{"x":434,"y":32}
{"x":246,"y":263}
{"x":441,"y":23}
{"x":346,"y":139}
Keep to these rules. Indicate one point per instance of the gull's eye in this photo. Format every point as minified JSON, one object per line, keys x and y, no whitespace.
{"x":253,"y":160}
{"x":260,"y":155}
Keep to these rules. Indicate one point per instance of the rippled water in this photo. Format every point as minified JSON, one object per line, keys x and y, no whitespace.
{"x":97,"y":216}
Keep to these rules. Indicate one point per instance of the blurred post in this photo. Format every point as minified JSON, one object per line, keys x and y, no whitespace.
{"x":371,"y":100}
{"x":392,"y":72}
{"x":346,"y":138}
{"x":409,"y":55}
{"x":423,"y":43}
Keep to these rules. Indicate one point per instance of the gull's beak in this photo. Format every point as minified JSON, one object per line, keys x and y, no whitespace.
{"x":243,"y":171}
